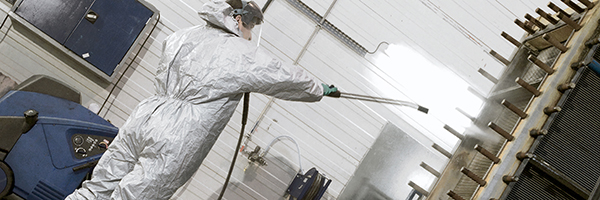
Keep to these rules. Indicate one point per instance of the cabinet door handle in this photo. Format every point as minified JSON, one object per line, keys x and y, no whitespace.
{"x":91,"y":16}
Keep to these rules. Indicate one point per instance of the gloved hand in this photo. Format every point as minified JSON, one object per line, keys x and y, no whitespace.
{"x":327,"y":90}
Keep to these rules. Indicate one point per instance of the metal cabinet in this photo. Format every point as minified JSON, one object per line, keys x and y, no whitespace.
{"x":100,"y":34}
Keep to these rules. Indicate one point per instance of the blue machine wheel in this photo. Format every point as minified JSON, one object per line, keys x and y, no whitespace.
{"x":7,"y":179}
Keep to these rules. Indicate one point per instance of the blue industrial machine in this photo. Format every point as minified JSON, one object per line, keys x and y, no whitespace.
{"x":100,"y":34}
{"x":308,"y":186}
{"x":50,"y":142}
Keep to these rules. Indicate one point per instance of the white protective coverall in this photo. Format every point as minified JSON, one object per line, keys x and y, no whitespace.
{"x":202,"y":75}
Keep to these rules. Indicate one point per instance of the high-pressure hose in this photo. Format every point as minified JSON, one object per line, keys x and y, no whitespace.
{"x":237,"y":149}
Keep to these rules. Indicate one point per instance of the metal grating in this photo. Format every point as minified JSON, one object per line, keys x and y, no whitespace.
{"x":571,"y":144}
{"x":479,"y":165}
{"x":597,"y":55}
{"x":347,"y":40}
{"x":506,"y":120}
{"x":534,"y":74}
{"x":533,"y":184}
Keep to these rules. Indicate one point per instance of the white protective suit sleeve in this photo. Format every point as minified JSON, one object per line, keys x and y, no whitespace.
{"x":200,"y":79}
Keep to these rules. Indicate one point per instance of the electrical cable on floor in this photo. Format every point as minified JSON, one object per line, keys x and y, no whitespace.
{"x":124,"y":71}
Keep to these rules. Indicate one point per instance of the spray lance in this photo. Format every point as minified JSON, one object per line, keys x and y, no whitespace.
{"x":338,"y":94}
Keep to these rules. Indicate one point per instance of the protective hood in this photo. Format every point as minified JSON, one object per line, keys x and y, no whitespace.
{"x":218,"y":13}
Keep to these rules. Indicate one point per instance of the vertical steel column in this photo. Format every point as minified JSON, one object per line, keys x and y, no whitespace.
{"x":501,"y":131}
{"x":528,"y":87}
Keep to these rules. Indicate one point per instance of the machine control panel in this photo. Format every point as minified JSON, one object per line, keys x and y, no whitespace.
{"x":85,"y":145}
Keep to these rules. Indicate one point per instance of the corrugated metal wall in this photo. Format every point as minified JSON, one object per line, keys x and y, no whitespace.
{"x":333,"y":135}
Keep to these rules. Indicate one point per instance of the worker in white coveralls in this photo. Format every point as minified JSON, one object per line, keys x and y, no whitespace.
{"x":202,"y":75}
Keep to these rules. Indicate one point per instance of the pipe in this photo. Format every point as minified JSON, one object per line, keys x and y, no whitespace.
{"x":511,"y":39}
{"x":522,"y":155}
{"x":454,"y":132}
{"x":419,"y":189}
{"x":565,"y":86}
{"x":587,"y":3}
{"x":267,"y":4}
{"x":260,"y":118}
{"x":488,"y":75}
{"x":550,"y":110}
{"x":361,"y":97}
{"x":537,"y":132}
{"x":546,"y":16}
{"x":565,"y":18}
{"x":442,"y":150}
{"x":573,"y":6}
{"x":555,"y":43}
{"x":557,"y":9}
{"x":287,"y":137}
{"x":501,"y":131}
{"x":540,"y":64}
{"x":454,"y":196}
{"x":535,"y":21}
{"x":487,"y":154}
{"x":314,"y":34}
{"x":430,"y":169}
{"x":499,"y":57}
{"x":524,"y":27}
{"x":514,"y":108}
{"x":507,"y":179}
{"x":473,"y":176}
{"x":528,"y":87}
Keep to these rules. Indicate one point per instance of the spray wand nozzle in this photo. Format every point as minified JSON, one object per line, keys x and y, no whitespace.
{"x":338,"y":94}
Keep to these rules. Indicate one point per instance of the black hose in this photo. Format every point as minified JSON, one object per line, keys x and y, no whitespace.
{"x":237,"y":149}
